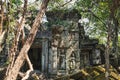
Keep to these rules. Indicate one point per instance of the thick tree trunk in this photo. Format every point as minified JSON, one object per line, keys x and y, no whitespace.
{"x":115,"y":40}
{"x":14,"y":49}
{"x":13,"y":72}
{"x":107,"y":53}
{"x":113,"y":8}
{"x":1,"y":16}
{"x":1,"y":23}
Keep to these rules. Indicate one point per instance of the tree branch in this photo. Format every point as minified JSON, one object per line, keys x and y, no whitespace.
{"x":1,"y":15}
{"x":16,"y":40}
{"x":21,"y":74}
{"x":62,"y":5}
{"x":29,"y":62}
{"x":65,"y":3}
{"x":27,"y":74}
{"x":12,"y":75}
{"x":95,"y":16}
{"x":30,"y":66}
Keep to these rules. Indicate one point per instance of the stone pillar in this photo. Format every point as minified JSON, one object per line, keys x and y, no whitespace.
{"x":45,"y":55}
{"x":54,"y":60}
{"x":52,"y":68}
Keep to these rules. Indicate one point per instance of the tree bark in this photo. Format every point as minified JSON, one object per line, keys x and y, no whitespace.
{"x":14,"y":49}
{"x":113,"y":8}
{"x":115,"y":41}
{"x":107,"y":63}
{"x":13,"y":72}
{"x":30,"y":66}
{"x":1,"y":23}
{"x":1,"y":16}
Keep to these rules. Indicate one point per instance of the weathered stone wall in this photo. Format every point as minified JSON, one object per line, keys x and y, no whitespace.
{"x":64,"y":51}
{"x":66,"y":48}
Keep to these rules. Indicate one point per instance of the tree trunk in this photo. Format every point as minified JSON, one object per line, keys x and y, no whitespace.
{"x":1,"y":23}
{"x":13,"y":72}
{"x":107,"y":53}
{"x":14,"y":49}
{"x":1,"y":16}
{"x":115,"y":41}
{"x":113,"y":9}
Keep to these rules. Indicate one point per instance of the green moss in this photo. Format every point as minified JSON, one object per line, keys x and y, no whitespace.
{"x":92,"y":73}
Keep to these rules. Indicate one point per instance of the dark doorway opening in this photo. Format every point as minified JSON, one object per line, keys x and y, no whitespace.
{"x":35,"y":55}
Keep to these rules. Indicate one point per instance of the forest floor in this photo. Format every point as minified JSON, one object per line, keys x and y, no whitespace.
{"x":92,"y":73}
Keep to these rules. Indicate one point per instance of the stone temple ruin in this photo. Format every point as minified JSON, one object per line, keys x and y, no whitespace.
{"x":64,"y":48}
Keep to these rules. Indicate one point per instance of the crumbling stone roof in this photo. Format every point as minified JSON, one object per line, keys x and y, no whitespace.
{"x":63,"y":14}
{"x":44,"y":34}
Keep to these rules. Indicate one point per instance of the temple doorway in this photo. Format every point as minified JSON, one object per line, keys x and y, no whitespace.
{"x":35,"y":55}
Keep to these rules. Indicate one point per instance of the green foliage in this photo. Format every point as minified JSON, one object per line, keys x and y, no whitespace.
{"x":53,"y":4}
{"x":117,"y":15}
{"x":16,"y":2}
{"x":59,"y":22}
{"x":97,"y":11}
{"x":119,"y":40}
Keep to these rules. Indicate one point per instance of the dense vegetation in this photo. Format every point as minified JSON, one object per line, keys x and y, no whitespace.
{"x":101,"y":19}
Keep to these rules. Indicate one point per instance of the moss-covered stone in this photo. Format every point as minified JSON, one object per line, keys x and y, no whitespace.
{"x":93,"y":73}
